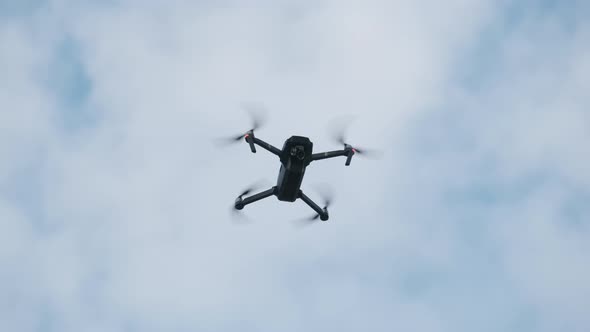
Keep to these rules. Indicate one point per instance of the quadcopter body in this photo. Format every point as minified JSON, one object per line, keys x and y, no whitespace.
{"x":296,"y":155}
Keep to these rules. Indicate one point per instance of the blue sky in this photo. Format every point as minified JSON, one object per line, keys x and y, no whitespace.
{"x":114,"y":202}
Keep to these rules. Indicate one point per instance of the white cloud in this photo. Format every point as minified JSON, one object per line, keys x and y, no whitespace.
{"x":134,"y":213}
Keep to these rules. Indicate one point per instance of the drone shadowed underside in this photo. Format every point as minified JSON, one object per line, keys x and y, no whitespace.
{"x":295,"y":157}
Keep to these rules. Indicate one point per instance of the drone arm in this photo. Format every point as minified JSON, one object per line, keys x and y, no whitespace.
{"x":322,"y":212}
{"x":331,"y":154}
{"x":266,"y":146}
{"x":250,"y":139}
{"x":240,"y":203}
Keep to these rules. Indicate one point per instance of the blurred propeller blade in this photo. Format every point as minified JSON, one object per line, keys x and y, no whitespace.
{"x":253,"y":187}
{"x":306,"y":221}
{"x":258,"y":115}
{"x":339,"y":129}
{"x":229,"y":140}
{"x":369,"y":153}
{"x":326,"y":193}
{"x":238,"y":215}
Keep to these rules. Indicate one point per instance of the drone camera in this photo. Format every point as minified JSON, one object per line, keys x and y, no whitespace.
{"x":298,"y":151}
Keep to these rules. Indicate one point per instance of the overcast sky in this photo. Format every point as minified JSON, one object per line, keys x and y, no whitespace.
{"x":115,"y":203}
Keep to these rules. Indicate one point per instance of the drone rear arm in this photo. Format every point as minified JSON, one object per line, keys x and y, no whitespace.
{"x":331,"y":154}
{"x":322,"y":213}
{"x":240,"y":203}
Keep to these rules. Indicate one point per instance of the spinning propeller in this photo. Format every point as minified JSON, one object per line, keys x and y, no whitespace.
{"x":339,"y":135}
{"x":236,"y":209}
{"x":362,"y":151}
{"x":258,"y":117}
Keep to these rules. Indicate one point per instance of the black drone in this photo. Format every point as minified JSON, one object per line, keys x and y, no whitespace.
{"x":296,"y":155}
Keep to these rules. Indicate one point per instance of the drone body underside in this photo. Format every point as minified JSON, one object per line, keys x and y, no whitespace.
{"x":296,"y":155}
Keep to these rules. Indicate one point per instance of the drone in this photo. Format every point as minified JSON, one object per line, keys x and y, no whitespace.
{"x":295,"y":156}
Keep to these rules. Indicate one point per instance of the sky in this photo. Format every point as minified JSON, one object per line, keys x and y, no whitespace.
{"x":115,"y":201}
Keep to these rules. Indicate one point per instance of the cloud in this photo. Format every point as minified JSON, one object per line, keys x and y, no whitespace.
{"x":508,"y":159}
{"x":114,"y":201}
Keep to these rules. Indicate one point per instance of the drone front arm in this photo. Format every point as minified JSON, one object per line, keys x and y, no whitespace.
{"x":267,"y":146}
{"x":251,"y":139}
{"x":331,"y":154}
